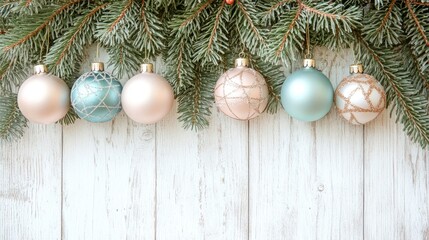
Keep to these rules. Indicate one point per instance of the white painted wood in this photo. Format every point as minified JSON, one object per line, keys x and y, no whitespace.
{"x":30,"y":185}
{"x":396,"y":183}
{"x":267,"y":179}
{"x":202,"y":190}
{"x":306,"y":179}
{"x":109,"y":180}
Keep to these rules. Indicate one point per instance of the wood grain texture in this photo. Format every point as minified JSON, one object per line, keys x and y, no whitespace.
{"x":202,"y":190}
{"x":109,"y":181}
{"x":306,"y":179}
{"x":30,"y":185}
{"x":396,"y":184}
{"x":267,"y":179}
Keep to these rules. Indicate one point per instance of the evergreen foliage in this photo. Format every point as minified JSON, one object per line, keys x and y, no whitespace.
{"x":199,"y":39}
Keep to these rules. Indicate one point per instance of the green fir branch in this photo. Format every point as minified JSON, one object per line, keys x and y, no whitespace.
{"x":26,"y":37}
{"x":117,"y":24}
{"x":386,"y":66}
{"x":286,"y":36}
{"x":12,"y":122}
{"x":416,"y":26}
{"x":270,"y":13}
{"x":12,"y":73}
{"x":149,"y":37}
{"x":383,"y":27}
{"x":213,"y":41}
{"x":333,"y":23}
{"x":195,"y":103}
{"x":125,"y":59}
{"x":418,"y":78}
{"x":179,"y":56}
{"x":68,"y":51}
{"x":244,"y":16}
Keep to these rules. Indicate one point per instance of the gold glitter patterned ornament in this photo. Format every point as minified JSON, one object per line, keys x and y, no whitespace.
{"x":359,"y":97}
{"x":241,"y":92}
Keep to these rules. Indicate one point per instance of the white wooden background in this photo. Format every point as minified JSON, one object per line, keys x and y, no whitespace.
{"x":269,"y":178}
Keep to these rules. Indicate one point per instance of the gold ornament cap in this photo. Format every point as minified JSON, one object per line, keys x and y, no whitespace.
{"x":356,"y":68}
{"x":39,"y":69}
{"x":241,"y":62}
{"x":97,"y":66}
{"x":309,"y":62}
{"x":146,"y":68}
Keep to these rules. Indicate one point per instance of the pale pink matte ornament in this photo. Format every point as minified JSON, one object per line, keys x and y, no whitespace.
{"x":241,"y":92}
{"x":43,"y":98}
{"x":147,"y":97}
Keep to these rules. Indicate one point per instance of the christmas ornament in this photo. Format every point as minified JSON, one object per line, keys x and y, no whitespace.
{"x":147,"y":97}
{"x":229,"y":2}
{"x":359,"y":97}
{"x":241,"y":92}
{"x":43,"y":98}
{"x":307,"y":94}
{"x":96,"y":95}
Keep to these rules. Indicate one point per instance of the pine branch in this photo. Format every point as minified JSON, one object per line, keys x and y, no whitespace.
{"x":418,"y":78}
{"x":184,"y":26}
{"x":117,"y":24}
{"x":67,"y":52}
{"x":12,"y":122}
{"x":195,"y":103}
{"x":149,"y":37}
{"x":125,"y":59}
{"x":12,"y":72}
{"x":26,"y":36}
{"x":244,"y":16}
{"x":187,"y":23}
{"x":417,"y":28}
{"x":213,"y":41}
{"x":385,"y":65}
{"x":286,"y":36}
{"x":271,"y":13}
{"x":333,"y":18}
{"x":380,"y":3}
{"x":383,"y":27}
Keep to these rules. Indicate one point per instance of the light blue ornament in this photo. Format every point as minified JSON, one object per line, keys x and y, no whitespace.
{"x":307,"y":94}
{"x":96,"y":95}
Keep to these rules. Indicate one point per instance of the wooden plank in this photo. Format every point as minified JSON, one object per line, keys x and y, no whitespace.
{"x":30,"y":185}
{"x":202,"y":180}
{"x":396,"y":183}
{"x":306,"y":179}
{"x":109,"y":180}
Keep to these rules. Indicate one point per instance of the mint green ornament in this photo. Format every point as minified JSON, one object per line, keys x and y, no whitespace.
{"x":96,"y":95}
{"x":307,"y":94}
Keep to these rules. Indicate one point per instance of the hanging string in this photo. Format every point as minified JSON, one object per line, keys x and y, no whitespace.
{"x":97,"y":56}
{"x":146,"y":59}
{"x":307,"y":38}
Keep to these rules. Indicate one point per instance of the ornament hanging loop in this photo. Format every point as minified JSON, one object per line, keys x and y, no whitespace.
{"x":308,"y":54}
{"x":242,"y":54}
{"x":97,"y":53}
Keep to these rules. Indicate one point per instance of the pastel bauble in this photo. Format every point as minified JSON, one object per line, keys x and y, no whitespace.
{"x":359,"y":97}
{"x":96,"y":95}
{"x":44,"y":98}
{"x":307,"y":94}
{"x":147,"y":97}
{"x":241,"y":92}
